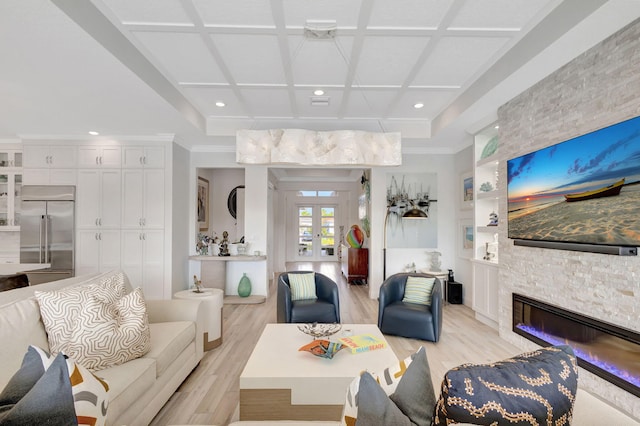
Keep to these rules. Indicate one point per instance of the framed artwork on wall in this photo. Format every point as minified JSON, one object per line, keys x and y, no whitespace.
{"x":203,"y":204}
{"x":465,"y":248}
{"x":466,"y":185}
{"x":411,"y":191}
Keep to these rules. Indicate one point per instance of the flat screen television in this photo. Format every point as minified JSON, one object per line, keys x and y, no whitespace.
{"x":583,"y":191}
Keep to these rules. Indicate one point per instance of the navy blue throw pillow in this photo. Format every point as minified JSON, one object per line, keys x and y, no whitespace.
{"x":537,"y":387}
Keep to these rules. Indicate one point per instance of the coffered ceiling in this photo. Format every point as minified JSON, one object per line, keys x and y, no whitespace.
{"x":162,"y":67}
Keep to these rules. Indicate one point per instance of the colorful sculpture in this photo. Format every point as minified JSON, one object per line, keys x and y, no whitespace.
{"x":355,"y":237}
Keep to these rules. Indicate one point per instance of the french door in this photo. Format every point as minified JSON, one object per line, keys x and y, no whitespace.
{"x":316,"y":239}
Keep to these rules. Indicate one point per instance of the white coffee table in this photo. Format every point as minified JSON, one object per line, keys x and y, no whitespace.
{"x":281,"y":383}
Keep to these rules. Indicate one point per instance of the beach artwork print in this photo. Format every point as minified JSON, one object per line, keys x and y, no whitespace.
{"x":404,"y":192}
{"x":467,"y":189}
{"x":584,"y":190}
{"x":467,"y":237}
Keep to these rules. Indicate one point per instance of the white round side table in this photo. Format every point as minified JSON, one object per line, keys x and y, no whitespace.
{"x":212,"y":299}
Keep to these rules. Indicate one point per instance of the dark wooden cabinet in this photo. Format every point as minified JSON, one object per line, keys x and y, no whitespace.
{"x":355,"y":264}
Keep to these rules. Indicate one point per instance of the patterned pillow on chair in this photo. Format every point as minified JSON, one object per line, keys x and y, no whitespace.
{"x":537,"y":387}
{"x":418,"y":290}
{"x":303,"y":286}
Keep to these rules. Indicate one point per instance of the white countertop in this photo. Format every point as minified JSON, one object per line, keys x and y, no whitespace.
{"x":239,"y":258}
{"x":13,"y":268}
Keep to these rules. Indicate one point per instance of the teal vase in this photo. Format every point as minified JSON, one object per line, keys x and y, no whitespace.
{"x":244,"y":286}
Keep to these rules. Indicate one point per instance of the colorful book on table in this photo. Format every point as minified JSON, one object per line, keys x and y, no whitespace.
{"x":362,"y":343}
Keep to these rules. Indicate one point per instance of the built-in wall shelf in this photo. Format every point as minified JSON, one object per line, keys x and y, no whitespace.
{"x":491,"y":229}
{"x":224,"y":272}
{"x":491,"y":160}
{"x":485,"y":260}
{"x":488,"y":195}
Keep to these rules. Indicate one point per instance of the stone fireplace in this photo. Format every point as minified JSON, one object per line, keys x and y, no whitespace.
{"x":604,"y":349}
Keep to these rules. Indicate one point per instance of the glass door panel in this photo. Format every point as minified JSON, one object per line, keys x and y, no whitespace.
{"x":327,"y":231}
{"x":305,"y":231}
{"x":4,"y":200}
{"x":17,"y":200}
{"x":316,"y":239}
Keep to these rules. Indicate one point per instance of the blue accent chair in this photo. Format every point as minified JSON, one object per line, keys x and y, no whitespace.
{"x":324,"y":309}
{"x":411,"y":320}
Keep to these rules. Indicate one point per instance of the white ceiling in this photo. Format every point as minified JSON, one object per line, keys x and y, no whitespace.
{"x":157,"y":67}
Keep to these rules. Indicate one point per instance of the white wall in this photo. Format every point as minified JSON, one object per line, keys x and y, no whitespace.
{"x":221,"y":182}
{"x":462,"y":270}
{"x":180,"y":219}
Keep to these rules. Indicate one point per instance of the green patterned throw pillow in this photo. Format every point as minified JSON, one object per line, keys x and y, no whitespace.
{"x":418,"y":290}
{"x":303,"y":286}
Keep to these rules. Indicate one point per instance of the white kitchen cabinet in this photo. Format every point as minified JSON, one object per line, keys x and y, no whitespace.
{"x":143,"y":261}
{"x":485,"y":292}
{"x":97,"y":251}
{"x":10,"y":199}
{"x":98,"y":195}
{"x":47,"y":164}
{"x":143,"y":157}
{"x":10,"y":157}
{"x":143,"y":198}
{"x":49,"y":176}
{"x":109,"y":156}
{"x":48,"y":156}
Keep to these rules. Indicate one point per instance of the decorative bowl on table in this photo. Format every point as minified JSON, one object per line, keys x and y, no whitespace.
{"x":316,"y":330}
{"x":322,"y":348}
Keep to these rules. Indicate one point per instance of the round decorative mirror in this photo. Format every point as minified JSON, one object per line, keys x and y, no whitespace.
{"x":232,"y":201}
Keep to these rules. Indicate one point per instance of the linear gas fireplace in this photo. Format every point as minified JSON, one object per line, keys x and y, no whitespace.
{"x":606,"y":350}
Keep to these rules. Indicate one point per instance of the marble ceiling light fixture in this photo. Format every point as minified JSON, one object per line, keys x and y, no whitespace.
{"x":308,"y":147}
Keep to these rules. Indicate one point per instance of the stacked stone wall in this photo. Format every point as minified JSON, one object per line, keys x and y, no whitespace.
{"x":599,"y":88}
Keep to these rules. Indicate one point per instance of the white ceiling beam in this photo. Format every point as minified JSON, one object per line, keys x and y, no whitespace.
{"x":89,"y":18}
{"x":558,"y":22}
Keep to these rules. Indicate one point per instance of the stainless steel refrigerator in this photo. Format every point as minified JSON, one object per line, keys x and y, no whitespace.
{"x":47,"y":231}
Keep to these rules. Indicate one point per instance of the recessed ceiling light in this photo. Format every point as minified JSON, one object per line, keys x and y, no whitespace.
{"x":93,"y":133}
{"x":318,"y":92}
{"x":418,"y":105}
{"x":220,"y":104}
{"x":497,"y":127}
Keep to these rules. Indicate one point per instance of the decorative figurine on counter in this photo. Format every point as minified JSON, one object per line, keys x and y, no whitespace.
{"x":410,"y":268}
{"x":198,"y":284}
{"x":435,"y":261}
{"x":493,"y":219}
{"x":224,"y":245}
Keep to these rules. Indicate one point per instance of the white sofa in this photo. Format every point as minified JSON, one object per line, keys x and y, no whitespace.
{"x":138,"y":388}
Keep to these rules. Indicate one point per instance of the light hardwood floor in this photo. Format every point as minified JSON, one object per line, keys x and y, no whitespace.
{"x":210,"y":394}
